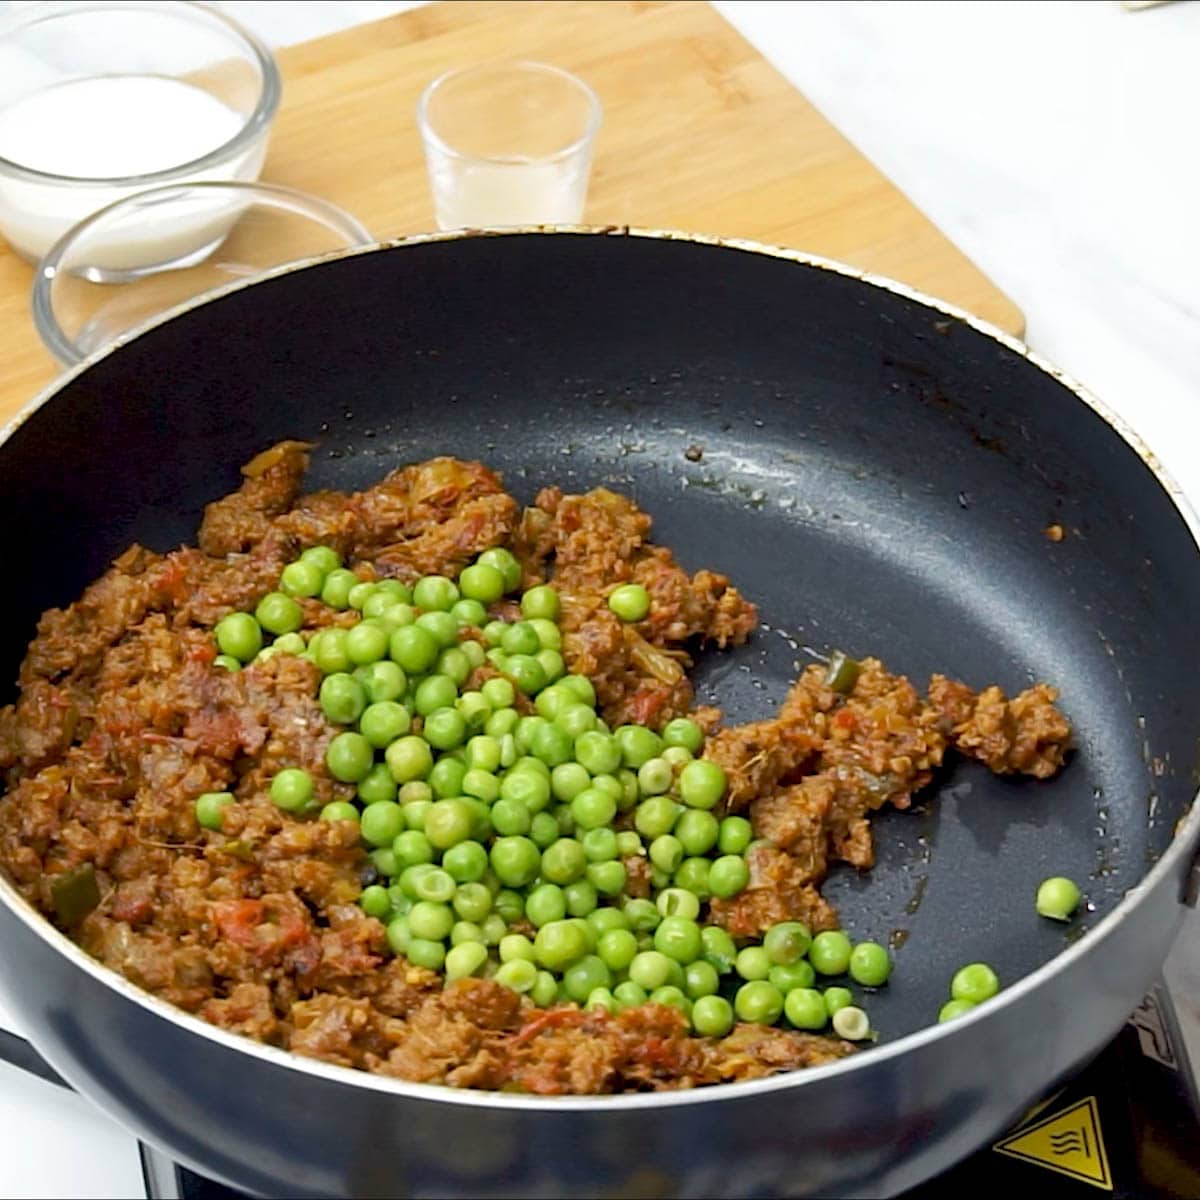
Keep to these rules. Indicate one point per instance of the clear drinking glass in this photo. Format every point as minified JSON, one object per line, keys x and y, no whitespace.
{"x":508,"y":143}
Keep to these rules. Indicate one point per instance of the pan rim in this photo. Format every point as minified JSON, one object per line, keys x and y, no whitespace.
{"x":1185,"y":842}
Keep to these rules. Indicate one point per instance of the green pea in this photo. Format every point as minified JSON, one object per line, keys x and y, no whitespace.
{"x":870,"y":964}
{"x":628,"y":995}
{"x":617,"y":948}
{"x":954,"y":1008}
{"x":239,"y":635}
{"x":515,"y":860}
{"x":475,"y":711}
{"x":278,"y":613}
{"x":466,"y":931}
{"x":493,"y":631}
{"x":483,"y":753}
{"x":410,"y":846}
{"x":700,"y":979}
{"x":375,"y":901}
{"x":630,"y":602}
{"x":434,"y":884}
{"x":292,"y":789}
{"x":753,"y":963}
{"x":422,"y":952}
{"x":227,"y":662}
{"x":568,"y":779}
{"x":805,"y":1008}
{"x":520,"y":638}
{"x":581,"y":897}
{"x":551,"y":744}
{"x":701,"y":784}
{"x":325,"y":558}
{"x":384,"y":861}
{"x":445,"y":729}
{"x":718,"y":948}
{"x":210,"y":805}
{"x":366,"y":644}
{"x":540,"y":602}
{"x":342,"y":698}
{"x":302,"y":579}
{"x":656,"y":816}
{"x":504,"y":561}
{"x":787,"y":976}
{"x":359,"y":594}
{"x":758,"y":1002}
{"x":837,"y":998}
{"x":434,"y":692}
{"x":629,"y":843}
{"x":382,"y":723}
{"x":509,"y":904}
{"x":447,"y":823}
{"x":563,"y":861}
{"x":976,"y":982}
{"x":643,"y":915}
{"x":329,"y":650}
{"x":677,"y":756}
{"x":655,"y":777}
{"x":549,"y":634}
{"x":335,"y":591}
{"x":608,"y":878}
{"x":544,"y":992}
{"x":543,"y":830}
{"x":382,"y":824}
{"x":409,"y":758}
{"x":430,"y":919}
{"x":830,"y":952}
{"x":413,"y":791}
{"x":382,"y":681}
{"x":683,"y":731}
{"x":288,"y":643}
{"x":527,"y":673}
{"x":678,"y":938}
{"x":592,"y":809}
{"x":692,"y":876}
{"x":597,"y":753}
{"x":728,"y":875}
{"x":787,"y":941}
{"x":518,"y":975}
{"x":339,"y":810}
{"x":544,"y":904}
{"x":1057,"y":898}
{"x":712,"y":1016}
{"x":651,"y":969}
{"x":677,"y":902}
{"x":413,"y":648}
{"x":471,"y":901}
{"x":583,"y":688}
{"x":470,"y":614}
{"x":573,"y":718}
{"x":735,"y":835}
{"x":851,"y":1023}
{"x":378,"y":602}
{"x":666,"y":852}
{"x":399,"y":937}
{"x":599,"y":845}
{"x":526,"y":787}
{"x":697,"y":831}
{"x":499,"y":693}
{"x":560,"y":944}
{"x":638,"y":745}
{"x":482,"y":582}
{"x":582,"y":978}
{"x":525,"y":728}
{"x":435,"y":593}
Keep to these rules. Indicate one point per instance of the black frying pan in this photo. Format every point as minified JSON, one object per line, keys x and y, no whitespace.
{"x":876,"y":472}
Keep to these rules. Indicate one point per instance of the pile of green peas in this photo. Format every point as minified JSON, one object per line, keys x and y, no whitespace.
{"x":499,"y":839}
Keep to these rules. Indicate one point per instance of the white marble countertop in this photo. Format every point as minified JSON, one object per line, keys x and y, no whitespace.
{"x":1053,"y":141}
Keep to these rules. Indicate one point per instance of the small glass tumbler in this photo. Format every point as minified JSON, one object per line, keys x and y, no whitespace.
{"x":508,"y":143}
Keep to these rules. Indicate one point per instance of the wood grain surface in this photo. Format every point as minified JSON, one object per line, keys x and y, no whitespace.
{"x":700,"y":133}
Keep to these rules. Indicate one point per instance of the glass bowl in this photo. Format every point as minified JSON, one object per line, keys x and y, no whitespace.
{"x":99,"y":100}
{"x":136,"y":258}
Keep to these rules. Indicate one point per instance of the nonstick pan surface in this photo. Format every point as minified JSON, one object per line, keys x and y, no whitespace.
{"x":875,"y":473}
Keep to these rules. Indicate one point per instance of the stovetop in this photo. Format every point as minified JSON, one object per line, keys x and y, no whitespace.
{"x":1128,"y":1126}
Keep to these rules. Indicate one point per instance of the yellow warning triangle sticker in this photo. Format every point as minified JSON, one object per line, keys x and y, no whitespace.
{"x":1068,"y":1142}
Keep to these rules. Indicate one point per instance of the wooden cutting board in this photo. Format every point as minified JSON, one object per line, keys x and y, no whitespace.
{"x":700,"y":133}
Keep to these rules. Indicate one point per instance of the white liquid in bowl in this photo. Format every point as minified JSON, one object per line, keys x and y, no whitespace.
{"x":105,"y":127}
